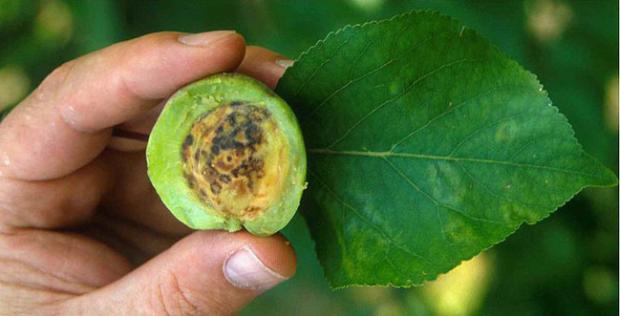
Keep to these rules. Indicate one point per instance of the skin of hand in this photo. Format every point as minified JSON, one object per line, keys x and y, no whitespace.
{"x":82,"y":232}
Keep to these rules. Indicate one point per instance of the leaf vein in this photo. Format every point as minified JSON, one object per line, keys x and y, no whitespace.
{"x":380,"y":154}
{"x":316,"y":71}
{"x":366,"y":220}
{"x":435,"y":201}
{"x":484,"y":127}
{"x":452,"y":110}
{"x":350,"y":82}
{"x":495,"y":194}
{"x":406,"y":91}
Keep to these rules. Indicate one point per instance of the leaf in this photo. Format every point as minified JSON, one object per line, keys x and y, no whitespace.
{"x":426,"y":146}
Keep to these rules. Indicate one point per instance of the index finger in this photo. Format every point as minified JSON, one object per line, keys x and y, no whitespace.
{"x":66,"y":122}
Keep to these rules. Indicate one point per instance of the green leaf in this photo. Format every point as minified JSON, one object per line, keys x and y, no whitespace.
{"x":426,"y":146}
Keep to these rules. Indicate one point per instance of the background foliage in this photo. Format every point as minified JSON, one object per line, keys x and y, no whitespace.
{"x":566,"y":265}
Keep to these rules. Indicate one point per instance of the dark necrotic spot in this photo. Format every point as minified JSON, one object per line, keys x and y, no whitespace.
{"x":242,"y":169}
{"x":189,"y":140}
{"x":191,"y":181}
{"x":225,"y":178}
{"x":232,"y":119}
{"x":215,"y":188}
{"x":208,"y":172}
{"x":253,"y":134}
{"x":215,"y":148}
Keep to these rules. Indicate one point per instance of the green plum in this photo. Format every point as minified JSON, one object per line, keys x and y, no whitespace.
{"x":227,"y":153}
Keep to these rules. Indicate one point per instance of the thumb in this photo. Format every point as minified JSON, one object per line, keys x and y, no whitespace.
{"x":206,"y":273}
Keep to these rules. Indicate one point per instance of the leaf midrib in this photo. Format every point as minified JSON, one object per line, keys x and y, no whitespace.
{"x":387,"y":154}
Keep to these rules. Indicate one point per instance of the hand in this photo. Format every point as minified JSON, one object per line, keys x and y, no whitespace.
{"x":77,"y":213}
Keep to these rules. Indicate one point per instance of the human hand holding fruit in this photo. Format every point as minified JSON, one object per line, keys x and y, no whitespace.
{"x":77,"y":212}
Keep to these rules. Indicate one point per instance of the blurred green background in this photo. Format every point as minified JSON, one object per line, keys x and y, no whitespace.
{"x":566,"y":265}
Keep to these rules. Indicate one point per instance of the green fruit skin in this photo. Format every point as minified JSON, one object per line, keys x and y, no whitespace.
{"x":165,"y":165}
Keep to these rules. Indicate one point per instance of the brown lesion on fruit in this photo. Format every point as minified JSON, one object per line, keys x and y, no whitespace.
{"x":235,"y":159}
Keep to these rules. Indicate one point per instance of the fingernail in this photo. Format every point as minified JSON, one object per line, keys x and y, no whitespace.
{"x":244,"y":270}
{"x":204,"y":39}
{"x":284,"y":63}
